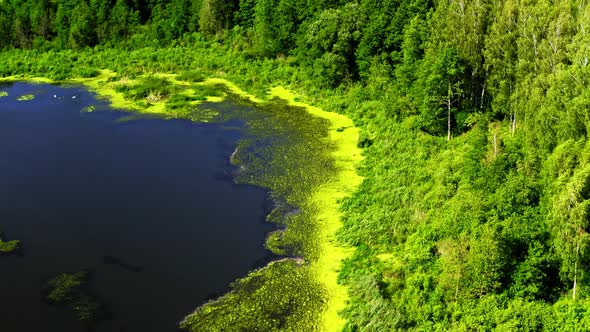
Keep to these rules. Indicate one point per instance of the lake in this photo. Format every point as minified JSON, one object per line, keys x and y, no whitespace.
{"x":147,"y":205}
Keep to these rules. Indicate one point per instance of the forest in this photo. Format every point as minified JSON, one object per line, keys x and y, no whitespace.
{"x":474,"y":117}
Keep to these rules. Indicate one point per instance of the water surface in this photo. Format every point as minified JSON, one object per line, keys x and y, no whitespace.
{"x":146,"y":205}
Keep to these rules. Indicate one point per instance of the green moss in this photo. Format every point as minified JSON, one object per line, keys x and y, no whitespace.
{"x":3,"y":94}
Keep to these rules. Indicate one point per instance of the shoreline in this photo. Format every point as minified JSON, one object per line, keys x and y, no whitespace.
{"x":346,"y":155}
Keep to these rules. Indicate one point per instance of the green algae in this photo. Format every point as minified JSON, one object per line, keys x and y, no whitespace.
{"x":8,"y":247}
{"x":308,"y":160}
{"x":88,"y":109}
{"x":70,"y":290}
{"x":25,"y":97}
{"x":3,"y":94}
{"x":279,"y":297}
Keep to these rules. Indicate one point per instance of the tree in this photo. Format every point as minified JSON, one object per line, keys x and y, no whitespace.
{"x":211,"y":17}
{"x":6,"y":25}
{"x":440,"y":89}
{"x":22,"y":25}
{"x":41,"y":15}
{"x":330,"y":43}
{"x":83,"y":27}
{"x":571,"y":213}
{"x":122,"y":19}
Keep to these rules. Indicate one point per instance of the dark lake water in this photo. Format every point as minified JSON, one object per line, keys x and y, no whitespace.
{"x":76,"y":187}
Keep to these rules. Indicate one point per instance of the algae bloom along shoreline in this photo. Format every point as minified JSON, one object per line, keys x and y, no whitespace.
{"x":304,"y":158}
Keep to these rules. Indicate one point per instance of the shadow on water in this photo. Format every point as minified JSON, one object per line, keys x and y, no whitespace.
{"x":110,"y":260}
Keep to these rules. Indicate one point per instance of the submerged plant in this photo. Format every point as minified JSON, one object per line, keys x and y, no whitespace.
{"x":70,"y":290}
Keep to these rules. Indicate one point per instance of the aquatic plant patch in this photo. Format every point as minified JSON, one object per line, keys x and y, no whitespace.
{"x":26,"y":97}
{"x":71,"y":290}
{"x":8,"y":247}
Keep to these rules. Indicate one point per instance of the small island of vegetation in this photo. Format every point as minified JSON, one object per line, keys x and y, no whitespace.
{"x":8,"y":247}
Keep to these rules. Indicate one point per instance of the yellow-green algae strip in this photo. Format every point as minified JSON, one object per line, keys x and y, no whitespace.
{"x":346,"y":157}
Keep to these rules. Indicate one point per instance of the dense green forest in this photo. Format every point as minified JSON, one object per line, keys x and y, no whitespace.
{"x":474,"y":212}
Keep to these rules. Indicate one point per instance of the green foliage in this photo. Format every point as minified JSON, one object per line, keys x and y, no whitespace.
{"x":211,"y":17}
{"x":191,"y":76}
{"x":82,"y":29}
{"x":152,"y":88}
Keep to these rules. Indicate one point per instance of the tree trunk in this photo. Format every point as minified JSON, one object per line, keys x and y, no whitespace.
{"x":495,"y":146}
{"x":483,"y":90}
{"x":576,"y":272}
{"x":514,"y":123}
{"x":449,"y":95}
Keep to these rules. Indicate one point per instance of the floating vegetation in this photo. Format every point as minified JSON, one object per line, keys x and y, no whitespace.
{"x":287,"y":150}
{"x":199,"y":114}
{"x":3,"y":94}
{"x":26,"y":97}
{"x":88,"y":109}
{"x":8,"y":247}
{"x":279,"y":297}
{"x":70,"y":290}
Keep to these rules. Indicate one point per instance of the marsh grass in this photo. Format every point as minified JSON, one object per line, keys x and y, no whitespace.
{"x":191,"y":76}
